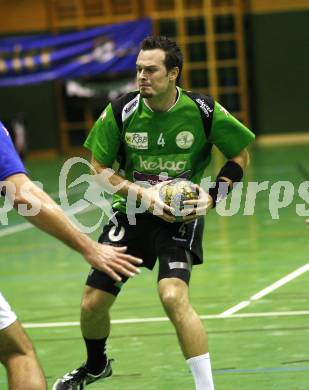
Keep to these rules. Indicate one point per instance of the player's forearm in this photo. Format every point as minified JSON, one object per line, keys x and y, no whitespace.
{"x":53,"y":221}
{"x":107,"y":177}
{"x":39,"y":209}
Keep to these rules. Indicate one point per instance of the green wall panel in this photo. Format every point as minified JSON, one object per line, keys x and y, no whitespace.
{"x":278,"y":71}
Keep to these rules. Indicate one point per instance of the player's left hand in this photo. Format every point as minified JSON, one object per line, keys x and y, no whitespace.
{"x":200,"y":205}
{"x":307,"y":222}
{"x":112,"y":260}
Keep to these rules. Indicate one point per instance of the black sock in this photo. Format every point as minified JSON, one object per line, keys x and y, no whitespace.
{"x":96,"y":355}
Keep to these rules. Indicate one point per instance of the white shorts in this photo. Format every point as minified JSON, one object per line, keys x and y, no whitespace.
{"x":7,"y":316}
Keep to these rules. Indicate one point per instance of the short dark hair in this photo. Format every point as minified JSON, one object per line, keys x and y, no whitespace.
{"x":173,"y":55}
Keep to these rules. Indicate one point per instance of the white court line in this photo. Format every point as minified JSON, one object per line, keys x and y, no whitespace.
{"x":165,"y":319}
{"x":15,"y":229}
{"x":286,"y":279}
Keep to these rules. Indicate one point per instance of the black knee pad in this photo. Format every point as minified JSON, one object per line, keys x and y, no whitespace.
{"x":176,"y":262}
{"x":102,"y":281}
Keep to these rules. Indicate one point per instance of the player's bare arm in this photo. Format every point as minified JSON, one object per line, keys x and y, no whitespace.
{"x":48,"y":216}
{"x":148,"y":196}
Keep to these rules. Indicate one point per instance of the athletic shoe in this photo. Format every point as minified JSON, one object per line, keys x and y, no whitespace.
{"x":79,"y":378}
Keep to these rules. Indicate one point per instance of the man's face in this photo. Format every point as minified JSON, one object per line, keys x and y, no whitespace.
{"x":153,"y":79}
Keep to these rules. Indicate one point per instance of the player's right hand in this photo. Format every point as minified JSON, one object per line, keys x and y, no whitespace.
{"x":112,"y":260}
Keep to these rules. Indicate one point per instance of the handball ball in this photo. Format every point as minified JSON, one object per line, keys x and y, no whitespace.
{"x":176,"y":192}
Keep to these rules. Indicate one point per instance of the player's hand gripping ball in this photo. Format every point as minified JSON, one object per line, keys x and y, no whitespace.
{"x":175,"y":192}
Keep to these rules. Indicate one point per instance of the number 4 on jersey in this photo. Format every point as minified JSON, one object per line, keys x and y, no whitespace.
{"x":161,"y":140}
{"x":183,"y":229}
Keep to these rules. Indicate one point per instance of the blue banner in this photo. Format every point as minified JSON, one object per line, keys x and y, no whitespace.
{"x":38,"y":58}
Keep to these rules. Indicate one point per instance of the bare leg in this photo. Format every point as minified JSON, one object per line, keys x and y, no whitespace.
{"x":95,"y":319}
{"x":95,"y":327}
{"x":20,"y":360}
{"x":189,"y":328}
{"x":190,"y":331}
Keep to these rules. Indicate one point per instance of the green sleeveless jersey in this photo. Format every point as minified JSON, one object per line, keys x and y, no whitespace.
{"x":153,"y":146}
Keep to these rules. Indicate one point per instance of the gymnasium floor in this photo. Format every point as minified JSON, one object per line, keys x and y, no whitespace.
{"x":260,"y":344}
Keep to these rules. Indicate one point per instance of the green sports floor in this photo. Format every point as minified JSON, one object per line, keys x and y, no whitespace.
{"x":261,"y":344}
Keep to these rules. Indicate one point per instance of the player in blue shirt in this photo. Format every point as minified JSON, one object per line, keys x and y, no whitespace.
{"x":10,"y":163}
{"x":16,"y":350}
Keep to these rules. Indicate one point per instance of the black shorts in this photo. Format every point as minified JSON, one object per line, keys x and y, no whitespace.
{"x":178,"y":246}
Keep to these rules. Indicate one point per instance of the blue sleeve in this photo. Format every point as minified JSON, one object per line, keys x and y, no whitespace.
{"x":10,"y":163}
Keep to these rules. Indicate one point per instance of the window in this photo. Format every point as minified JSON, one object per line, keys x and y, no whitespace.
{"x":228,"y":77}
{"x":225,"y":50}
{"x":224,"y":24}
{"x":197,"y":51}
{"x":195,"y":26}
{"x":167,"y":28}
{"x":199,"y":78}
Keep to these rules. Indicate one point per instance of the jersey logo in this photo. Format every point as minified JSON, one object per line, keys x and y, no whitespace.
{"x":204,"y":107}
{"x":129,"y":108}
{"x":185,"y":139}
{"x":137,"y":140}
{"x":160,"y":164}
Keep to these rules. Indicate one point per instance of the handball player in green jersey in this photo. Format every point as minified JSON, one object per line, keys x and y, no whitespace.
{"x":159,"y":132}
